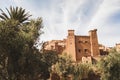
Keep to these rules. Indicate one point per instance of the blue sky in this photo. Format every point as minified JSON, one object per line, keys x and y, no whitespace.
{"x":80,"y":15}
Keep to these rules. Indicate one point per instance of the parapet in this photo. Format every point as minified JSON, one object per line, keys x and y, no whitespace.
{"x":93,"y":30}
{"x":70,"y":32}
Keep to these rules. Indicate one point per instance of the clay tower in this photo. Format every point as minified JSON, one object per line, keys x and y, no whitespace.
{"x":94,"y":43}
{"x":71,"y":44}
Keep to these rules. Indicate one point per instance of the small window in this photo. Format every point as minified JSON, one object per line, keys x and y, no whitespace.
{"x":86,"y":50}
{"x":86,"y":41}
{"x":79,"y":41}
{"x":52,"y":47}
{"x":79,"y":50}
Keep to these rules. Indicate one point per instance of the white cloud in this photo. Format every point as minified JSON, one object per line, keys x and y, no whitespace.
{"x":106,"y":29}
{"x":81,"y":15}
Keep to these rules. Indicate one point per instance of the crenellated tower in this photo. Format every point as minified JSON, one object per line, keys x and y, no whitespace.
{"x":71,"y":44}
{"x":94,"y":43}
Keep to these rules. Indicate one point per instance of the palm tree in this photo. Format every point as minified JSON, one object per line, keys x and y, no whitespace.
{"x":15,"y":13}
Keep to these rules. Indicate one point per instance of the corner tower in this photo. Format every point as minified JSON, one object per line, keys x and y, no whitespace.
{"x":71,"y":44}
{"x":94,"y":43}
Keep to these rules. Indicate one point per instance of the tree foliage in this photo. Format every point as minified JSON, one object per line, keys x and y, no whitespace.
{"x":110,"y":67}
{"x":65,"y":67}
{"x":81,"y":71}
{"x":48,"y":59}
{"x":20,"y":60}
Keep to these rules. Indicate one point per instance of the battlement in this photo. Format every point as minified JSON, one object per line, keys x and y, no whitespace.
{"x":70,"y":32}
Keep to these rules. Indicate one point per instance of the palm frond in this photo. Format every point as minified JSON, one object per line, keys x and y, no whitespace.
{"x":2,"y":17}
{"x":15,"y":13}
{"x":5,"y":15}
{"x":8,"y":12}
{"x":1,"y":10}
{"x":11,"y":10}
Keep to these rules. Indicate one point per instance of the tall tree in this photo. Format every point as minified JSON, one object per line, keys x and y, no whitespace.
{"x":19,"y":58}
{"x":17,"y":50}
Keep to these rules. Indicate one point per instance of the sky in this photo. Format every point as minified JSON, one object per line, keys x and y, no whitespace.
{"x":81,"y":15}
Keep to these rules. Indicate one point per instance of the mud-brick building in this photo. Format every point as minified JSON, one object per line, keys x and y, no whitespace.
{"x":81,"y":48}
